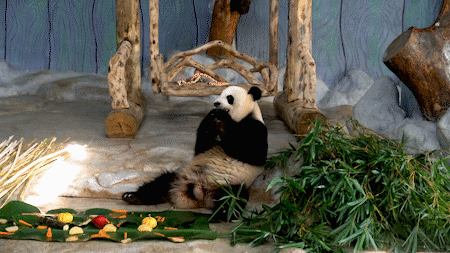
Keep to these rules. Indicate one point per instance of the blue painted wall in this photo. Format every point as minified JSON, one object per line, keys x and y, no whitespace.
{"x":80,"y":35}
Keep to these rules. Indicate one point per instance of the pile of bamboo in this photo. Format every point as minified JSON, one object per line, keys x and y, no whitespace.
{"x":20,"y":163}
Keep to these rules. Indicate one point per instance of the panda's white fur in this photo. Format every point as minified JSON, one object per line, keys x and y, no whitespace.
{"x":231,"y":144}
{"x":214,"y":163}
{"x":243,"y":105}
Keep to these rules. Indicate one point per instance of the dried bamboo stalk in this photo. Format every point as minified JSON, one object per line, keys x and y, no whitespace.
{"x":20,"y":163}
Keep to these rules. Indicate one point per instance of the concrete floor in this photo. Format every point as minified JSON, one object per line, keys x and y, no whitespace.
{"x":112,"y":166}
{"x":165,"y":140}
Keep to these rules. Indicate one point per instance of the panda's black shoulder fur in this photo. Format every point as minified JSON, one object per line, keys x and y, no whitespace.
{"x":245,"y":141}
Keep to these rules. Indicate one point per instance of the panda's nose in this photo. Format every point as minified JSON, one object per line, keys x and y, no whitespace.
{"x":216,"y":104}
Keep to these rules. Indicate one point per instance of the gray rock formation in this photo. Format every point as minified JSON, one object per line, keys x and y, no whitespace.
{"x":379,"y":108}
{"x":443,"y":131}
{"x":418,"y":135}
{"x":348,"y":91}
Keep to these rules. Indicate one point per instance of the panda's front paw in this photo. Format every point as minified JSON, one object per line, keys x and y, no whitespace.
{"x":217,"y":114}
{"x":131,"y":199}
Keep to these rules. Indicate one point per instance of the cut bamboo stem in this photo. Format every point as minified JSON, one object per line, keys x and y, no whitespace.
{"x":22,"y":162}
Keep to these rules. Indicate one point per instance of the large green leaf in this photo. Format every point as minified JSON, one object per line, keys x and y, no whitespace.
{"x":16,"y":207}
{"x":186,"y":224}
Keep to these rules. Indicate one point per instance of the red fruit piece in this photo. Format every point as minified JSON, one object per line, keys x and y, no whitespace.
{"x":99,"y":221}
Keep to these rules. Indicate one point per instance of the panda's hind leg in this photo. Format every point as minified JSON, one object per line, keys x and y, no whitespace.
{"x":152,"y":193}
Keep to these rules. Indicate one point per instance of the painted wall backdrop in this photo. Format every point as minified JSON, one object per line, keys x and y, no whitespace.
{"x":80,"y":36}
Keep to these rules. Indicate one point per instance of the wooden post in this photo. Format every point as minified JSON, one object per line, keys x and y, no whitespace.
{"x":116,"y":77}
{"x":154,"y":45}
{"x":124,"y":74}
{"x":273,"y":33}
{"x":129,"y":28}
{"x":223,"y":27}
{"x":296,"y":104}
{"x":420,"y":58}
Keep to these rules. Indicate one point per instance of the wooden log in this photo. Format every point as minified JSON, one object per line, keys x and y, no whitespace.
{"x":216,"y":43}
{"x":128,"y":28}
{"x":273,"y":81}
{"x":300,"y":13}
{"x":308,"y":78}
{"x":273,"y":78}
{"x":163,"y":82}
{"x":273,"y":33}
{"x":295,"y":116}
{"x":124,"y":123}
{"x":116,"y":77}
{"x":124,"y":74}
{"x":223,"y":27}
{"x":227,"y":63}
{"x":296,"y":104}
{"x":154,"y":45}
{"x":189,"y":62}
{"x":204,"y":89}
{"x":421,"y":60}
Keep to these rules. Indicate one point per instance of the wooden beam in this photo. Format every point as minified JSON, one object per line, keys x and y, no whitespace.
{"x":204,"y":89}
{"x":187,"y":61}
{"x":129,"y":28}
{"x":154,"y":45}
{"x":124,"y":74}
{"x":116,"y":77}
{"x":223,"y":27}
{"x":296,"y":104}
{"x":300,"y":78}
{"x":273,"y":33}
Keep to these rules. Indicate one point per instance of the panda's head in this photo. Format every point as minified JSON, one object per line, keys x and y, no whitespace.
{"x":239,"y":103}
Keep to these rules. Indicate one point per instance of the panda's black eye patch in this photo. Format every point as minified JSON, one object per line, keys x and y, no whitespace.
{"x":230,"y":99}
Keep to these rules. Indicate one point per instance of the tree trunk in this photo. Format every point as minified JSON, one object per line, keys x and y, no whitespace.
{"x":124,"y":74}
{"x":223,"y":27}
{"x":296,"y":104}
{"x":421,"y":60}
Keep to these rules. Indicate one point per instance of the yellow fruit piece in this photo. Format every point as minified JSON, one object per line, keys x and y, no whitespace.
{"x":65,"y":217}
{"x":126,"y":240}
{"x":150,"y":221}
{"x":12,"y":229}
{"x":145,"y":228}
{"x":110,"y":228}
{"x":72,"y":239}
{"x":75,"y":231}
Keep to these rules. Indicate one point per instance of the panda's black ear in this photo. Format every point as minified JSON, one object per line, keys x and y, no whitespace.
{"x":255,"y":92}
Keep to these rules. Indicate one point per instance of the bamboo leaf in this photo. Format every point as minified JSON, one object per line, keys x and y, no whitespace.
{"x":273,"y":183}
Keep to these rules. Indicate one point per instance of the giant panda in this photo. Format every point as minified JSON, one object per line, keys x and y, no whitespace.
{"x":231,"y":144}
